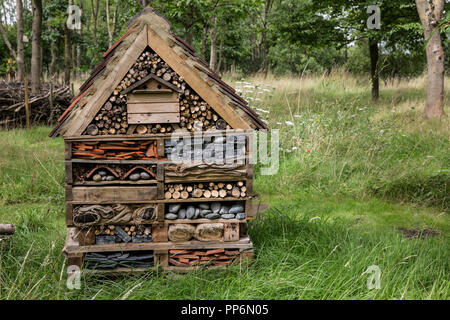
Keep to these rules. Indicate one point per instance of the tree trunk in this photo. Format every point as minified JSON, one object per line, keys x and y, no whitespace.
{"x":374,"y":75}
{"x":204,"y":41}
{"x":430,"y":17}
{"x":53,"y":59}
{"x":95,"y":16}
{"x":20,"y":48}
{"x":5,"y":38}
{"x":213,"y":38}
{"x":112,"y":28}
{"x":66,"y":56}
{"x":36,"y":45}
{"x":219,"y":63}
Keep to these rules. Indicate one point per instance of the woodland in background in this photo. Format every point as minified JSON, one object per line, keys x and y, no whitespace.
{"x":282,"y":37}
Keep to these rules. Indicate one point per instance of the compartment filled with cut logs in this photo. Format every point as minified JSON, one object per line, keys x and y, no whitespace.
{"x":118,"y":150}
{"x":205,"y":210}
{"x":205,"y":190}
{"x":88,"y":173}
{"x":122,"y":234}
{"x":195,"y":257}
{"x":114,"y":260}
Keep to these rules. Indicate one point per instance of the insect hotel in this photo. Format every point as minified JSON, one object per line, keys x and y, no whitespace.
{"x":137,"y":195}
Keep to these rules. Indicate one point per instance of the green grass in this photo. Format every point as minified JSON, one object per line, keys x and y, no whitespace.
{"x":334,"y":211}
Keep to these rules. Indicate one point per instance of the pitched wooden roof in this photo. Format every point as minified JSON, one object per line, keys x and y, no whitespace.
{"x":150,"y":28}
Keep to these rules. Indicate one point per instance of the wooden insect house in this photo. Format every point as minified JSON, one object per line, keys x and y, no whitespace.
{"x":138,"y":194}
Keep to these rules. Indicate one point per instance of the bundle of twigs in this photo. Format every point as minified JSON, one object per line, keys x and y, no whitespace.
{"x":45,"y":107}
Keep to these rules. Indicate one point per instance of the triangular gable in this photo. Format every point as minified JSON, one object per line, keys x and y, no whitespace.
{"x":153,"y":31}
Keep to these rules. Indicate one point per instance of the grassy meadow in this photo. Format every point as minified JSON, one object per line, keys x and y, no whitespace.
{"x":359,"y":184}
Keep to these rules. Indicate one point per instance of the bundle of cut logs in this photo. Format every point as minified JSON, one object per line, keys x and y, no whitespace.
{"x":45,"y":108}
{"x":186,"y":258}
{"x":205,"y":190}
{"x":195,"y":114}
{"x":127,"y":233}
{"x":123,"y":150}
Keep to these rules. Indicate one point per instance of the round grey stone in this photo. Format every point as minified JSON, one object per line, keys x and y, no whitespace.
{"x":173,"y":208}
{"x":212,"y":216}
{"x":224,"y":209}
{"x":171,"y":216}
{"x":215,"y":207}
{"x":145,"y":176}
{"x":190,"y":211}
{"x":97,"y":177}
{"x":182,"y":214}
{"x":197,"y":213}
{"x":236,"y":209}
{"x":240,"y":216}
{"x":104,"y":178}
{"x":110,"y":178}
{"x":102,"y":173}
{"x":227,"y":216}
{"x":135,"y":176}
{"x":204,"y":206}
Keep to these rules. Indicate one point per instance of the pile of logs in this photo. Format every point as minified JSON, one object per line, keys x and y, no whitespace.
{"x":195,"y":114}
{"x":45,"y":108}
{"x":186,"y":258}
{"x":206,"y":210}
{"x":124,"y":150}
{"x":128,"y":233}
{"x":205,"y":190}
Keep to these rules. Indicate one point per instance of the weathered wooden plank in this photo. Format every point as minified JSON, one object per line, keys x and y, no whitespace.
{"x":147,"y":118}
{"x":195,"y":221}
{"x":146,"y":137}
{"x":159,"y":233}
{"x":158,"y":107}
{"x":67,"y":150}
{"x":160,"y":212}
{"x":243,"y":243}
{"x":114,"y":182}
{"x":156,"y":97}
{"x":113,"y":193}
{"x":231,"y":232}
{"x":69,"y":216}
{"x":160,"y":148}
{"x":68,"y":171}
{"x":161,"y":257}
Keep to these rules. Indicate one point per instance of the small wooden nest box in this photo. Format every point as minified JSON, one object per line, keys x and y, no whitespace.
{"x":153,"y":100}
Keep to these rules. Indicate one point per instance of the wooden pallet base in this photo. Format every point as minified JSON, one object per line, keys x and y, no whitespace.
{"x":75,"y":254}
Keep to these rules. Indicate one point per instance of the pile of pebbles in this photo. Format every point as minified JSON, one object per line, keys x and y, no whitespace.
{"x":139,"y":176}
{"x":213,"y":210}
{"x":102,"y":175}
